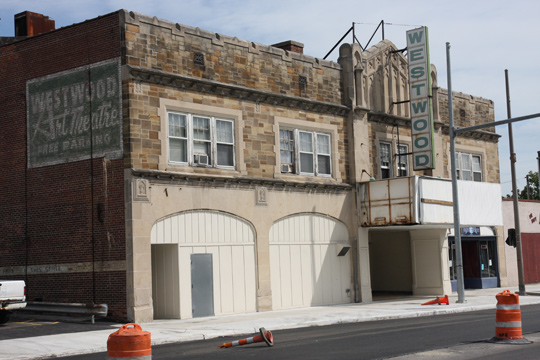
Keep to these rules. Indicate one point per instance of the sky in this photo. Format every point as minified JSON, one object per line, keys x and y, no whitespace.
{"x":486,"y":37}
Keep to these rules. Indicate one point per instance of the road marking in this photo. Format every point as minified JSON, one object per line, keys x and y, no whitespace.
{"x":31,"y":322}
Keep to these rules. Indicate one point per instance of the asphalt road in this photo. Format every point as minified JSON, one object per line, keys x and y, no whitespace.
{"x":409,"y":338}
{"x":26,"y":324}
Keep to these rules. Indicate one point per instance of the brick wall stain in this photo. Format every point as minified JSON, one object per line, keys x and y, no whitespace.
{"x":46,"y":212}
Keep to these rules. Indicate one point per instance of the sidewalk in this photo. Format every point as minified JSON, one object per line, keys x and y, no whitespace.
{"x":169,"y":331}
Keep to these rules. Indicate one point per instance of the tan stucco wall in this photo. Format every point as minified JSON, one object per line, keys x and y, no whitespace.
{"x":430,"y":262}
{"x":169,"y":197}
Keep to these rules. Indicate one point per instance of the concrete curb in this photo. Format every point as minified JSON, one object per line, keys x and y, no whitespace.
{"x":173,"y":331}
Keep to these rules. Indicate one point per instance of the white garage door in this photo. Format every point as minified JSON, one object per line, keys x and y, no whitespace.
{"x":305,"y":268}
{"x":229,"y":239}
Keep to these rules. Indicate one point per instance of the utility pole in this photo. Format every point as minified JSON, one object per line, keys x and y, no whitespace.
{"x":538,"y":158}
{"x":519,"y":251}
{"x":457,"y":231}
{"x":528,"y":190}
{"x":455,"y":132}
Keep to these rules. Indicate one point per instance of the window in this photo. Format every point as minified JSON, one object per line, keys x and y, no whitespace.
{"x":200,"y":140}
{"x":385,"y":150}
{"x":286,"y":146}
{"x":469,"y":167}
{"x":311,"y":156}
{"x":177,"y":138}
{"x":479,"y":257}
{"x":323,"y":154}
{"x":393,"y":165}
{"x":402,"y":161}
{"x":306,"y":152}
{"x":487,"y":259}
{"x":225,"y":143}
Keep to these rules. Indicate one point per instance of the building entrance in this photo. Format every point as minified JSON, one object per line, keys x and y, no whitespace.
{"x":480,"y":267}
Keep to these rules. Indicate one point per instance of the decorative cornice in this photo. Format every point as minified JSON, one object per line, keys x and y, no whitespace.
{"x":235,"y":91}
{"x":248,"y":182}
{"x":389,"y":119}
{"x":475,"y":134}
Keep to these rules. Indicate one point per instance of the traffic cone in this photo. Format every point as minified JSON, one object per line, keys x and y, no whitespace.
{"x":438,"y":300}
{"x":264,"y":335}
{"x":444,"y":300}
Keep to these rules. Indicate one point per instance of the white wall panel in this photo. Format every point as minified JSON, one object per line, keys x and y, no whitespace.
{"x":184,"y":260}
{"x":337,"y":279}
{"x":285,"y":276}
{"x":325,"y":278}
{"x":250,"y":279}
{"x":238,"y":278}
{"x":226,"y":280}
{"x":296,"y":276}
{"x":275,"y":277}
{"x":214,"y":250}
{"x":165,"y":286}
{"x":305,"y":268}
{"x":308,"y":275}
{"x":318,"y":285}
{"x":230,"y":240}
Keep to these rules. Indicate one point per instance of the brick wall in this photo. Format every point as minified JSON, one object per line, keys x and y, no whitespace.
{"x":46,"y":213}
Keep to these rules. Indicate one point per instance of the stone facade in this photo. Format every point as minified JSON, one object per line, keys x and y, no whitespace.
{"x":376,"y":85}
{"x":260,"y":81}
{"x":93,"y":223}
{"x":172,"y":66}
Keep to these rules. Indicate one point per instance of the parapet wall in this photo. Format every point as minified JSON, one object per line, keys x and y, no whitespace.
{"x":157,"y":44}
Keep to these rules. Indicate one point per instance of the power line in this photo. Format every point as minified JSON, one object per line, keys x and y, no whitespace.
{"x":386,"y":23}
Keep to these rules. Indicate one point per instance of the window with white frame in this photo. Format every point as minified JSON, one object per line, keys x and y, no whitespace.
{"x":200,"y":140}
{"x":305,"y":152}
{"x":469,"y":166}
{"x":286,"y":147}
{"x":385,"y":155}
{"x":402,"y":160}
{"x":323,"y":154}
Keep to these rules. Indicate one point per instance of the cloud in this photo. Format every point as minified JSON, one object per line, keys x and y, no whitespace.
{"x":486,"y":37}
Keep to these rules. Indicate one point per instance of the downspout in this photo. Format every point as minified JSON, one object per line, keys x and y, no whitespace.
{"x":92,"y":213}
{"x":26,"y":239}
{"x":355,"y":259}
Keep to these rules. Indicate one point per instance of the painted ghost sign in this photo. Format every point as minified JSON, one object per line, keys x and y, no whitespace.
{"x":75,"y":115}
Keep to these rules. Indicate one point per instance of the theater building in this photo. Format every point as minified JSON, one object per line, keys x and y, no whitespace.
{"x":172,"y":172}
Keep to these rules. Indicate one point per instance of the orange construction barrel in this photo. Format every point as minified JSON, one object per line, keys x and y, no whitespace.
{"x":508,"y":319}
{"x":129,"y":342}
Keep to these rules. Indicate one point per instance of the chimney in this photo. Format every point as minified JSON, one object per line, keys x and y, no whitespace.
{"x":290,"y":45}
{"x":30,"y":24}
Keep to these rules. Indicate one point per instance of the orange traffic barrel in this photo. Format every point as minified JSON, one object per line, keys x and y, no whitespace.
{"x":508,"y":319}
{"x":129,"y":342}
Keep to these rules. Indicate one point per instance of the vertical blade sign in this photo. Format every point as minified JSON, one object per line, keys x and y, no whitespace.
{"x":421,"y":100}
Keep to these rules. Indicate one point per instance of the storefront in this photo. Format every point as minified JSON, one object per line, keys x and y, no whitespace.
{"x":479,"y":253}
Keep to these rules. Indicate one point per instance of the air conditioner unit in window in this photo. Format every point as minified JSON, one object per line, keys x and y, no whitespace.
{"x":201,"y":159}
{"x":286,"y":168}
